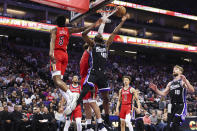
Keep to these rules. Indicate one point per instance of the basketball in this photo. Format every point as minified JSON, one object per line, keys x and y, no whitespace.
{"x":121,"y":11}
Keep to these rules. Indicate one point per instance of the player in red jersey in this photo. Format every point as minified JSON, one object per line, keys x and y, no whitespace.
{"x":126,"y":96}
{"x":89,"y":101}
{"x":77,"y":114}
{"x":58,"y":54}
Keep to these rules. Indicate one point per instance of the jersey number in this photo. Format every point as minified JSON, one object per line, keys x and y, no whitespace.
{"x":104,"y":55}
{"x":61,"y":41}
{"x":177,"y":92}
{"x":125,"y":97}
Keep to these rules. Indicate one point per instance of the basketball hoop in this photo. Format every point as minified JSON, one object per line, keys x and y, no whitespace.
{"x":107,"y":10}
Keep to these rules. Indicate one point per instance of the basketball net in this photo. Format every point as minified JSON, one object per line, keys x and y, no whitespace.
{"x":106,"y":12}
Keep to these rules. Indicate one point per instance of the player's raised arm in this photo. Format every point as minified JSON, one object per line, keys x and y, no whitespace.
{"x":187,"y":84}
{"x":76,"y":30}
{"x":85,"y":33}
{"x":161,"y":93}
{"x":52,"y":44}
{"x":113,"y":34}
{"x":118,"y":104}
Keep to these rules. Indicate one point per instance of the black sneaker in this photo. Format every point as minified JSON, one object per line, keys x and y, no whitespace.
{"x":89,"y":127}
{"x":108,"y":125}
{"x":101,"y":127}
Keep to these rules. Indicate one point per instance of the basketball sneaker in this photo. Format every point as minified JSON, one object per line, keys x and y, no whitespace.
{"x":101,"y":127}
{"x":89,"y":128}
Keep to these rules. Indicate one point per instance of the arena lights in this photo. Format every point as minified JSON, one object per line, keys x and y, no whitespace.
{"x":155,"y":10}
{"x":25,"y":24}
{"x":145,"y":42}
{"x":131,"y":52}
{"x":12,"y":22}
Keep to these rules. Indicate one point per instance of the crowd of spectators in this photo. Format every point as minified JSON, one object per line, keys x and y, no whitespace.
{"x":29,"y":100}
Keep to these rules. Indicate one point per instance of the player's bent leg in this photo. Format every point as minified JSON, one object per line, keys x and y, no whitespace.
{"x":96,"y":109}
{"x":60,"y":83}
{"x":78,"y":122}
{"x":176,"y":125}
{"x":88,"y":113}
{"x":67,"y":125}
{"x":105,"y":97}
{"x":122,"y":124}
{"x":98,"y":116}
{"x":77,"y":100}
{"x":68,"y":94}
{"x":128,"y":122}
{"x":86,"y":88}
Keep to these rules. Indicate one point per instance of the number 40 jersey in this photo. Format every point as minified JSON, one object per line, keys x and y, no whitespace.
{"x":99,"y":56}
{"x":62,"y":38}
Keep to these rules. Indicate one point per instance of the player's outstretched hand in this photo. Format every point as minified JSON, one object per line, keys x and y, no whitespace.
{"x":183,"y":78}
{"x":153,"y":86}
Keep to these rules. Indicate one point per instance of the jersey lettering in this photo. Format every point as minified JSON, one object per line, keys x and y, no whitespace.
{"x":99,"y":56}
{"x":127,"y":96}
{"x":177,"y":91}
{"x":103,"y":51}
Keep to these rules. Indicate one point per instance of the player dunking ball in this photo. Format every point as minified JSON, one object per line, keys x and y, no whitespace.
{"x":177,"y":89}
{"x":98,"y":61}
{"x":58,"y":54}
{"x":126,"y":96}
{"x":77,"y":114}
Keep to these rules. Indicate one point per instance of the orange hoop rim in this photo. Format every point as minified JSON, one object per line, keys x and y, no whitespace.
{"x":106,"y":11}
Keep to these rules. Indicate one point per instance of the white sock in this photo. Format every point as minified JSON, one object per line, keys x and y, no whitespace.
{"x":88,"y":121}
{"x":128,"y":122}
{"x":99,"y":120}
{"x":67,"y":125}
{"x":78,"y":122}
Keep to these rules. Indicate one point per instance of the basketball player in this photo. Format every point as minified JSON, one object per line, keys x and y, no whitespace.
{"x":58,"y":53}
{"x":89,"y":101}
{"x":77,"y":114}
{"x":177,"y":90}
{"x":126,"y":96}
{"x":98,"y":60}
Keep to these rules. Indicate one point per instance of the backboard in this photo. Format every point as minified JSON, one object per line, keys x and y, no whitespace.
{"x":93,"y":7}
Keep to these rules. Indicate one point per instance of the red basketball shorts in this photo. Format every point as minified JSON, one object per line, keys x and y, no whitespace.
{"x":90,"y":97}
{"x":59,"y":67}
{"x":125,"y":110}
